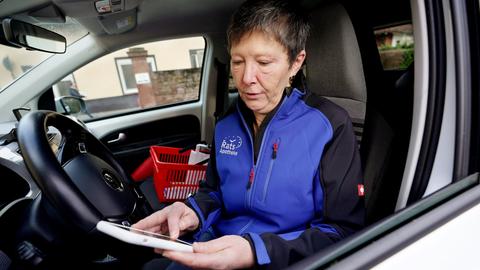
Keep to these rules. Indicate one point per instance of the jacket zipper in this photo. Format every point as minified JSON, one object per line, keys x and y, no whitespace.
{"x":259,"y":160}
{"x":275,"y":146}
{"x":251,"y":177}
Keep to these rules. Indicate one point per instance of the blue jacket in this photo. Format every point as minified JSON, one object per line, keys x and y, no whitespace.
{"x":291,"y":191}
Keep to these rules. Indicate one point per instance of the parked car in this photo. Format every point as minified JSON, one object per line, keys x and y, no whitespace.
{"x":121,"y":76}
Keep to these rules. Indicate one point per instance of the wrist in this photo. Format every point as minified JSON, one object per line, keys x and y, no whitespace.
{"x":197,"y":215}
{"x":259,"y":250}
{"x":252,"y":249}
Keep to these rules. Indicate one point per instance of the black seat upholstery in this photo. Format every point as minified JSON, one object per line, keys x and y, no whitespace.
{"x":334,"y":66}
{"x":386,"y":145}
{"x":335,"y":70}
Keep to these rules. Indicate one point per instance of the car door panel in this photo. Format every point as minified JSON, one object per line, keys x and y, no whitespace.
{"x":133,"y":149}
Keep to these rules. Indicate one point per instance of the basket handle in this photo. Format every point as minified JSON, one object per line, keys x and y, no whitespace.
{"x":190,"y":146}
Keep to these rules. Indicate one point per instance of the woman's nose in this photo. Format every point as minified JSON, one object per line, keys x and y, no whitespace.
{"x":249,"y":74}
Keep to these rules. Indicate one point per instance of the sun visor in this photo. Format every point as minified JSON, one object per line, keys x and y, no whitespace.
{"x":48,"y":14}
{"x":119,"y":22}
{"x":102,"y":16}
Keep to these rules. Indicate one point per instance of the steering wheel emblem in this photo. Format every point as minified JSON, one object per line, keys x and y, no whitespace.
{"x":112,"y":181}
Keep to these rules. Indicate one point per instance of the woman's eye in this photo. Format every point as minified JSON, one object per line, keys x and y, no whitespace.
{"x":236,"y":63}
{"x":264,"y":63}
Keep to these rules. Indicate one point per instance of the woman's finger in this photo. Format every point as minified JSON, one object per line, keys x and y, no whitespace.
{"x":152,"y":221}
{"x":187,"y":222}
{"x":176,"y":212}
{"x":158,"y":250}
{"x":164,"y":228}
{"x":211,"y":246}
{"x":221,"y":253}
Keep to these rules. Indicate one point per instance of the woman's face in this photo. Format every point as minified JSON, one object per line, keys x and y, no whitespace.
{"x":261,"y":70}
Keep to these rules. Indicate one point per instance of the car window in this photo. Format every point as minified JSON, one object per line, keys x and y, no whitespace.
{"x":395,"y":45}
{"x":135,"y":78}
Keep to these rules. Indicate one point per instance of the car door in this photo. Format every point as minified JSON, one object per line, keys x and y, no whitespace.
{"x":437,"y":228}
{"x":139,"y":96}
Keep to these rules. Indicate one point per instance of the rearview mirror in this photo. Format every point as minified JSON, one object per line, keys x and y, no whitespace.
{"x":33,"y":37}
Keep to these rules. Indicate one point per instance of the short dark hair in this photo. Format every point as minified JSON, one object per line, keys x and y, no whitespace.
{"x":282,"y":19}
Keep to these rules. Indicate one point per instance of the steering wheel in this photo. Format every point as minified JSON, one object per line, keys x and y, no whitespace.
{"x":81,"y":179}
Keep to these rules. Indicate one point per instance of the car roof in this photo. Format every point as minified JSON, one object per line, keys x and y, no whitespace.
{"x":156,"y":19}
{"x":151,"y":14}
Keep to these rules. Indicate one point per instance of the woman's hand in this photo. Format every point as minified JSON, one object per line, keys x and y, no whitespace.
{"x":228,"y":252}
{"x":174,"y":219}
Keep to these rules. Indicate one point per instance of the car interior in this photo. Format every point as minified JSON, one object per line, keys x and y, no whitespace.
{"x":343,"y":64}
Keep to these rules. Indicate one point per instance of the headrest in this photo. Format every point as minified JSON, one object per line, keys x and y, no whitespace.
{"x":333,"y":65}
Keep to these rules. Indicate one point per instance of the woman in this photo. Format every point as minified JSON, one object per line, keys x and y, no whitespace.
{"x":283,"y":177}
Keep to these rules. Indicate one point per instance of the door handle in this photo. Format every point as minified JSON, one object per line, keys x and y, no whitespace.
{"x":121,"y":137}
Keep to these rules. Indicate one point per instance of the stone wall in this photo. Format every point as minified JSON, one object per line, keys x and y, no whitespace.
{"x":168,"y":87}
{"x":173,"y":86}
{"x":396,"y":58}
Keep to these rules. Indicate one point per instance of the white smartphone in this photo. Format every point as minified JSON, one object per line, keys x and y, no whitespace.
{"x":142,"y":238}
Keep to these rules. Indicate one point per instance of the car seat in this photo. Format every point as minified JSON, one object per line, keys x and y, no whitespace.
{"x":337,"y":67}
{"x":334,"y":66}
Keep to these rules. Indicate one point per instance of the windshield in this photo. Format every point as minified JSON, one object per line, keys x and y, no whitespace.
{"x":17,"y":61}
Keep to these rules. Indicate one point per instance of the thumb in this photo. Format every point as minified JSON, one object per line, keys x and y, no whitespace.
{"x":209,"y":247}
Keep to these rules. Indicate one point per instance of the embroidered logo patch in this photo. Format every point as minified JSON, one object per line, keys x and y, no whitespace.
{"x":360,"y":190}
{"x":230,"y":144}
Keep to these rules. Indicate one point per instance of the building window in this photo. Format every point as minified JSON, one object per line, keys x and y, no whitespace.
{"x":196,"y":57}
{"x":128,"y":79}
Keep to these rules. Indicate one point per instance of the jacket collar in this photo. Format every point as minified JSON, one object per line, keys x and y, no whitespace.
{"x":284,"y":107}
{"x":295,"y":96}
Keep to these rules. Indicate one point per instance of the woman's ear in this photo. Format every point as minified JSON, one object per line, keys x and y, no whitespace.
{"x":297,"y":63}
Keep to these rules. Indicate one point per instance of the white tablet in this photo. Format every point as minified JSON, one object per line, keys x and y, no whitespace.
{"x":142,"y":238}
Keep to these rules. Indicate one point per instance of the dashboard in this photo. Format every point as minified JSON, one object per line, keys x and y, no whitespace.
{"x":14,"y":177}
{"x":16,"y":182}
{"x":17,"y":191}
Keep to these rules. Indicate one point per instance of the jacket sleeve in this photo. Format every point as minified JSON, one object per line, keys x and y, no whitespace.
{"x":206,"y":202}
{"x":343,"y":206}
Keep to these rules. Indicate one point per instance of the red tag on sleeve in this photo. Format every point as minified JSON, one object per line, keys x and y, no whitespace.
{"x":360,"y":190}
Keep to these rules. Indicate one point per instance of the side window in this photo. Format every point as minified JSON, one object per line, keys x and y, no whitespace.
{"x":144,"y":76}
{"x":395,"y":45}
{"x":231,"y":84}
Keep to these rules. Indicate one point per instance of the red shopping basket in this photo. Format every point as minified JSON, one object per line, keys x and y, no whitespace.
{"x":173,"y":177}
